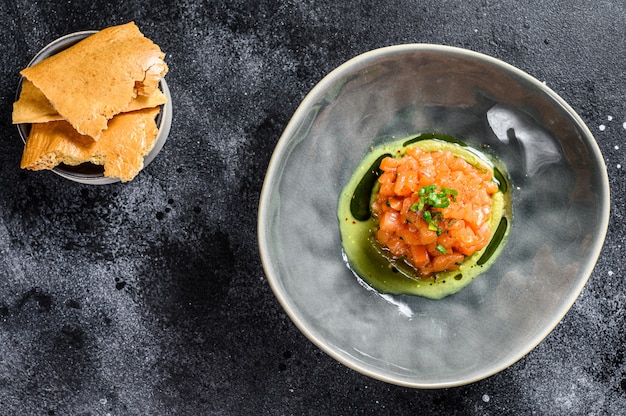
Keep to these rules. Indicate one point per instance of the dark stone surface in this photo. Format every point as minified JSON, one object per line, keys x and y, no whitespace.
{"x":149,"y":298}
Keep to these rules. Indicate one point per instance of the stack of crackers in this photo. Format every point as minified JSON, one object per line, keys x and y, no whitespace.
{"x":94,"y":102}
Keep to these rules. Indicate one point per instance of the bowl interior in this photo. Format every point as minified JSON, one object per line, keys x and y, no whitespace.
{"x":560,"y":214}
{"x":87,"y":172}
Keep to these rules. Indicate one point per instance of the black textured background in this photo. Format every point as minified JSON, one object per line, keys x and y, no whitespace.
{"x":149,"y":298}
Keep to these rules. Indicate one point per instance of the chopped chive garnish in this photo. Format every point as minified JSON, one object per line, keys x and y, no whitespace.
{"x":449,"y":191}
{"x":429,"y":198}
{"x":441,"y":249}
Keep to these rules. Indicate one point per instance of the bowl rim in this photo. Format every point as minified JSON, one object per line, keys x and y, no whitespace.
{"x":163,"y":118}
{"x":280,"y":151}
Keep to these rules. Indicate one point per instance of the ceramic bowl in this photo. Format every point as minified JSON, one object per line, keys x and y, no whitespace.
{"x":89,"y":173}
{"x":560,"y":205}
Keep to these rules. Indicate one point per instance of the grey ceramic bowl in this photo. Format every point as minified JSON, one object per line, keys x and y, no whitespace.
{"x":560,"y":214}
{"x":89,"y":173}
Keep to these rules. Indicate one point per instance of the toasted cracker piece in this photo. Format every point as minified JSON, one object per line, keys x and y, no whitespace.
{"x":33,"y":106}
{"x":121,"y":148}
{"x":146,"y":101}
{"x":98,"y":77}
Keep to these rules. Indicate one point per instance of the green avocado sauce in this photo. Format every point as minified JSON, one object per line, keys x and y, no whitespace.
{"x":374,"y":265}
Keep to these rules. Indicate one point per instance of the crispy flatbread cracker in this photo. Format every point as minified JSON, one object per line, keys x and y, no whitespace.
{"x":33,"y":106}
{"x":146,"y":101}
{"x":121,"y":148}
{"x":99,"y":76}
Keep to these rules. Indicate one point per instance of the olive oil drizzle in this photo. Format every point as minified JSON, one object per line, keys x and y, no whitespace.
{"x":495,"y":241}
{"x":430,"y":136}
{"x":361,"y":198}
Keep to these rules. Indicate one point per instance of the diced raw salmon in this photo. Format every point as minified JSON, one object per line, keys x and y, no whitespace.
{"x":411,"y":223}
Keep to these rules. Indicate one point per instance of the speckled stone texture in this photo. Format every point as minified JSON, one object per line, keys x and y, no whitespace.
{"x":149,"y":298}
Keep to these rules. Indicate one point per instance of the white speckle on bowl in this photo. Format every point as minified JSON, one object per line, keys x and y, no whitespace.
{"x":486,"y":398}
{"x":609,"y":118}
{"x":602,"y":127}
